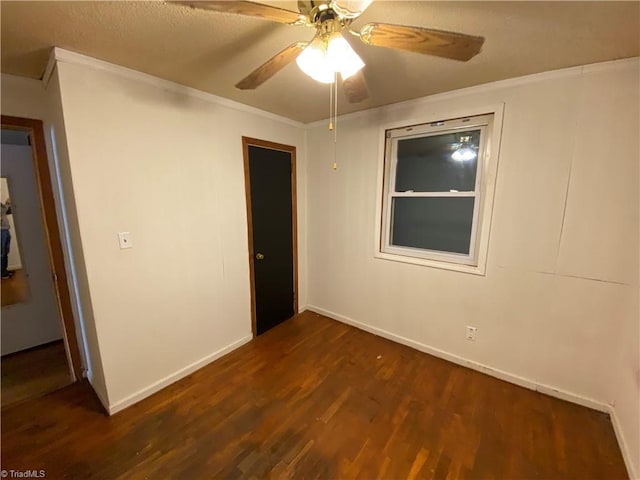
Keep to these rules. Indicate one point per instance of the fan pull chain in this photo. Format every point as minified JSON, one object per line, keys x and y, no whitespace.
{"x":333,"y":116}
{"x":330,"y":107}
{"x":335,"y":121}
{"x":335,"y":109}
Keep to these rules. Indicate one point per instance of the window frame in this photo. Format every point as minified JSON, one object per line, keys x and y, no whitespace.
{"x":489,"y":121}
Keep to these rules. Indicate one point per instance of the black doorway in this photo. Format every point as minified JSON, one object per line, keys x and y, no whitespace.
{"x":271,"y":215}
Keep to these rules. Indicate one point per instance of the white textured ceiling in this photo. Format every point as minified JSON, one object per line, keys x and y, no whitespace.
{"x":212,"y":51}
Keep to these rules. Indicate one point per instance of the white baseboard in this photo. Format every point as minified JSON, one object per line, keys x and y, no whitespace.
{"x":174,"y":377}
{"x":494,"y":372}
{"x":617,"y":428}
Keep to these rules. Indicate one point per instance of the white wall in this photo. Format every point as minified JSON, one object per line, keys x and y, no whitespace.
{"x":559,"y":299}
{"x":166,"y":165}
{"x":23,"y":97}
{"x":70,"y":233}
{"x":626,"y":387}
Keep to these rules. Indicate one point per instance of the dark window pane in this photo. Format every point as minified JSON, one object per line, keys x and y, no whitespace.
{"x":425,"y":164}
{"x":433,"y":223}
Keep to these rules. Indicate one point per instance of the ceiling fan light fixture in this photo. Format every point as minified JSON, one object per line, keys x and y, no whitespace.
{"x":327,"y":55}
{"x":314,"y":62}
{"x":342,"y":57}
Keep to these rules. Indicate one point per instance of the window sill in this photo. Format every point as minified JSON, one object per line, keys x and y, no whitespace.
{"x":425,"y":262}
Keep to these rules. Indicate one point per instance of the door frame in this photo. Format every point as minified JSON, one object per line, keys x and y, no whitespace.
{"x":291,"y":150}
{"x":49,"y":221}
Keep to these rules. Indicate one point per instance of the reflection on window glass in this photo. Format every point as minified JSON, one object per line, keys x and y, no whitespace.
{"x":433,"y":223}
{"x":428,"y":164}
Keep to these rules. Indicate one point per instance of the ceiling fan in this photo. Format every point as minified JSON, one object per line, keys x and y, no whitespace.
{"x":328,"y":53}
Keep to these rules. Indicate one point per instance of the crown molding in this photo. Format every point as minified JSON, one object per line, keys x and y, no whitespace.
{"x":48,"y":70}
{"x":66,"y":56}
{"x":611,"y":65}
{"x":60,"y":55}
{"x":488,"y":87}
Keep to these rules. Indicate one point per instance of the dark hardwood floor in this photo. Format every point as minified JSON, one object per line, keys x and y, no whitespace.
{"x":314,"y":398}
{"x":14,"y":289}
{"x":33,"y":372}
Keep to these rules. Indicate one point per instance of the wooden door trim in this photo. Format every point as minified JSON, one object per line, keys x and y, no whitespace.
{"x":52,"y":233}
{"x":246,"y":143}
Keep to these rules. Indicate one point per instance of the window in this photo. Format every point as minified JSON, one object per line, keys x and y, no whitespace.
{"x":437,"y":194}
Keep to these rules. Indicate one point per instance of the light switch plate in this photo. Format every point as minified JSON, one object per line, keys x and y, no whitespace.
{"x":124,"y":238}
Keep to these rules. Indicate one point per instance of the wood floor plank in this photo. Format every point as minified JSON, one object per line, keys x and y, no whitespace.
{"x":15,"y":289}
{"x":33,"y":372}
{"x":314,"y":398}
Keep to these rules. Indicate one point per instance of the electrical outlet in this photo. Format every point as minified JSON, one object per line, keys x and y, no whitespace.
{"x":124,"y":240}
{"x":471,"y":333}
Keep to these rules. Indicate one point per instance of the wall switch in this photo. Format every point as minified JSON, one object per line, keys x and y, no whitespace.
{"x":471,"y":333}
{"x":124,"y":238}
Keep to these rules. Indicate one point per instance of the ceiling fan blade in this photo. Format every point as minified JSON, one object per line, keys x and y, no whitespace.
{"x":355,"y":88}
{"x":272,"y":66}
{"x":251,"y":9}
{"x":455,"y":46}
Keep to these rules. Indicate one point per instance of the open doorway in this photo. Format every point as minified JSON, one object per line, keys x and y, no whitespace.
{"x":39,"y":344}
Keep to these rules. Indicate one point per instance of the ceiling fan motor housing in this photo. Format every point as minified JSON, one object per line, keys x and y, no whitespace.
{"x":311,"y":8}
{"x":323,"y":14}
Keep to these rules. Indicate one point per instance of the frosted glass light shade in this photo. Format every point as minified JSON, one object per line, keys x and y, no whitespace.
{"x":322,"y":61}
{"x":350,"y":8}
{"x":342,"y":57}
{"x":314,"y":62}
